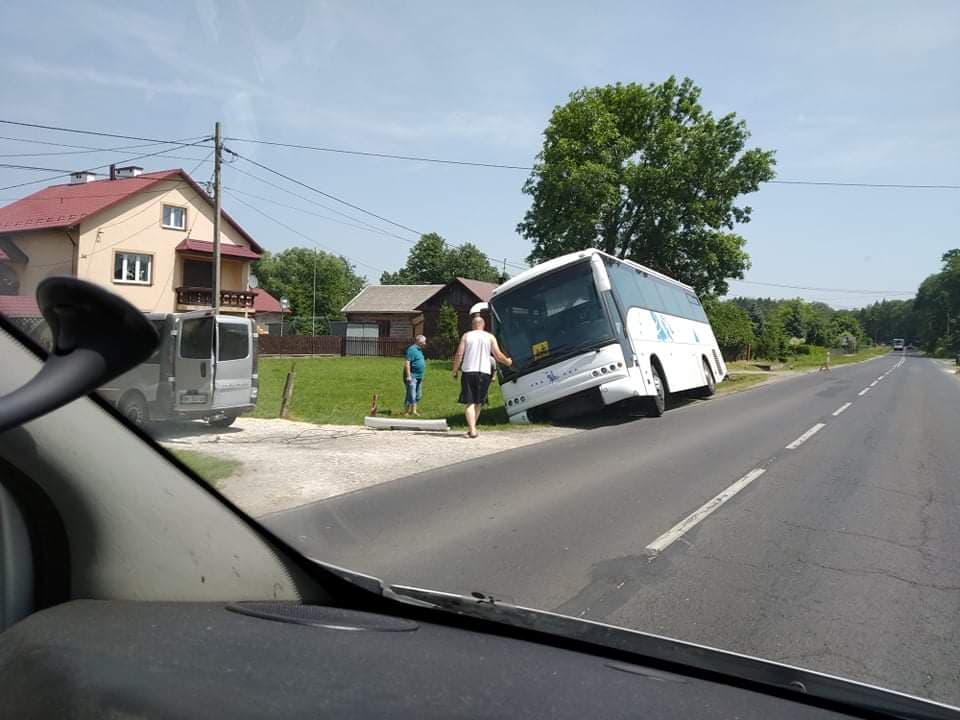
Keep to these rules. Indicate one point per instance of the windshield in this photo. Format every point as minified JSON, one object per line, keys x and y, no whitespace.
{"x":550,"y":317}
{"x":746,"y":439}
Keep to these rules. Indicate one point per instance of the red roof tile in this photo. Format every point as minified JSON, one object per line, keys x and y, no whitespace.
{"x":226,"y":249}
{"x":19,"y":306}
{"x":65,"y":205}
{"x":266,"y":303}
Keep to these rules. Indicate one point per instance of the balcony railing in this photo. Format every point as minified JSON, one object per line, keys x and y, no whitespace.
{"x":203,"y":297}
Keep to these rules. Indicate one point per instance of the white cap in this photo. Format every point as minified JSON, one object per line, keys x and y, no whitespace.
{"x":479,"y":308}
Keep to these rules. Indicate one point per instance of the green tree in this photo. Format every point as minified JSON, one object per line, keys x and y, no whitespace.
{"x":644,"y":172}
{"x":731,"y":327}
{"x":448,"y":330}
{"x":794,"y":316}
{"x":772,"y":342}
{"x":290,"y":274}
{"x":433,"y":261}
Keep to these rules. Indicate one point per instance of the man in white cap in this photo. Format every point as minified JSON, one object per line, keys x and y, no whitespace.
{"x":473,"y":357}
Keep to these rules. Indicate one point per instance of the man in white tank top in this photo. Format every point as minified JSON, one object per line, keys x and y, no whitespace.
{"x":475,"y":358}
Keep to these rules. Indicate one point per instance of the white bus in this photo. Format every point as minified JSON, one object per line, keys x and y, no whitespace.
{"x":587,"y":330}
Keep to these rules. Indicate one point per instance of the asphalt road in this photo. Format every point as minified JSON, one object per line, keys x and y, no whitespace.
{"x":837,"y":550}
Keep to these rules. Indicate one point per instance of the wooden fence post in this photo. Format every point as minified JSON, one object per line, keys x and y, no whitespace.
{"x":287,"y":393}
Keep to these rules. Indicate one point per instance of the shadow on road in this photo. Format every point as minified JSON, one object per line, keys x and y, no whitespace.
{"x":194,"y":428}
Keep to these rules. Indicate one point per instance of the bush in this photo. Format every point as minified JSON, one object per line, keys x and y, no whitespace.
{"x":802,"y":350}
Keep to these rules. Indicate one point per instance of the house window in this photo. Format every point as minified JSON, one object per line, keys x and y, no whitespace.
{"x":132,"y":268}
{"x":174,"y":218}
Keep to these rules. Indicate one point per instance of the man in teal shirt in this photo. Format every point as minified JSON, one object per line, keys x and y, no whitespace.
{"x":414,"y":366}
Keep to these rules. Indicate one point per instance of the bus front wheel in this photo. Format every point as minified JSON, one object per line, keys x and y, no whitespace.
{"x":658,"y":403}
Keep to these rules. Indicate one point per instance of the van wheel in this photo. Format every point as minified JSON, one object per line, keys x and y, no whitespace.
{"x":134,"y":408}
{"x":658,"y":403}
{"x":225,"y":421}
{"x":711,"y":387}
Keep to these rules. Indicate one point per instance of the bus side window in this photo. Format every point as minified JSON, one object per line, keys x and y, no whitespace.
{"x":696,"y":309}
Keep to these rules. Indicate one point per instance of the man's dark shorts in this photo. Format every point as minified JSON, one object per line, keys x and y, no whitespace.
{"x":474,"y":387}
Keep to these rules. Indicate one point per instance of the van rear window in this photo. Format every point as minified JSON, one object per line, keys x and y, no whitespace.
{"x":234,"y":341}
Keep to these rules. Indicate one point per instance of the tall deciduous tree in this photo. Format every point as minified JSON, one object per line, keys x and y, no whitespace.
{"x":644,"y":172}
{"x":290,"y":274}
{"x":731,"y":327}
{"x":433,"y":261}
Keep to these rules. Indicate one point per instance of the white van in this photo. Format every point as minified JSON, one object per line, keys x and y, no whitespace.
{"x":194,"y":373}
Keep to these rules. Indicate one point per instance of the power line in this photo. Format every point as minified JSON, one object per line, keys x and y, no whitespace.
{"x":325,"y":194}
{"x":507,"y":166}
{"x":831,"y":183}
{"x":39,"y":126}
{"x":106,"y":165}
{"x":829,"y":290}
{"x":75,"y":149}
{"x":317,"y":203}
{"x":304,"y":235}
{"x":366,"y":227}
{"x":389,"y":156}
{"x":513,"y":266}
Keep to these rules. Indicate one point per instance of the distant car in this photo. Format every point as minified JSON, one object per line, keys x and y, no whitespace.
{"x":898,"y":344}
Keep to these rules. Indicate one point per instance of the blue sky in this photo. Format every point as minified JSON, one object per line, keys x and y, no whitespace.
{"x":844,"y":91}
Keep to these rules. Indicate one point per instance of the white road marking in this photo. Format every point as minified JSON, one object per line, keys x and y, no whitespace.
{"x":874,"y":383}
{"x":841,"y":408}
{"x":881,"y":377}
{"x":694,"y":518}
{"x":806,"y":436}
{"x":864,"y":391}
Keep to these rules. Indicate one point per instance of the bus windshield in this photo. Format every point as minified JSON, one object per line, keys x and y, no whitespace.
{"x":550,"y":317}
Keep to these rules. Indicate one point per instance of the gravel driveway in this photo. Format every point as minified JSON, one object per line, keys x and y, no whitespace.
{"x":288,"y":463}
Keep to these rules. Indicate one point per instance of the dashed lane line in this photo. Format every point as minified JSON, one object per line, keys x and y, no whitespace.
{"x":806,"y":436}
{"x":698,"y":515}
{"x":841,"y":408}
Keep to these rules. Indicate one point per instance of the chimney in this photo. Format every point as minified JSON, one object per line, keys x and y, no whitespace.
{"x":113,"y":172}
{"x":129,"y":171}
{"x":81,"y":177}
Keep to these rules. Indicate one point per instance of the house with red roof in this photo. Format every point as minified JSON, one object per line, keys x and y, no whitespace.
{"x":145,"y":236}
{"x":270,"y":313}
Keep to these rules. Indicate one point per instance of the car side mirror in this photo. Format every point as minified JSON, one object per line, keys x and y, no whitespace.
{"x":96,"y":337}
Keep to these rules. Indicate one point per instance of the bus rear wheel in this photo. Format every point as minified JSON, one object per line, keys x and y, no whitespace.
{"x":711,"y":387}
{"x":658,"y":403}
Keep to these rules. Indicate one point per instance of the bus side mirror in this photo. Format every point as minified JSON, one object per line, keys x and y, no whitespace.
{"x":96,"y":337}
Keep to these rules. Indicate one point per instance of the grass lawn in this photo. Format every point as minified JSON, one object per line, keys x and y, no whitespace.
{"x":813,"y":360}
{"x":735,"y":382}
{"x":339,"y":390}
{"x":210,"y":468}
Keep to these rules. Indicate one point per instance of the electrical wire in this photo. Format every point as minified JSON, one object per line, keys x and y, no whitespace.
{"x":513,"y":266}
{"x":106,"y":165}
{"x":527,"y":168}
{"x":828,"y":290}
{"x":324,"y":194}
{"x":305,"y":236}
{"x":389,"y":156}
{"x":77,"y":149}
{"x":365,"y":227}
{"x":316,"y":202}
{"x":97,"y":133}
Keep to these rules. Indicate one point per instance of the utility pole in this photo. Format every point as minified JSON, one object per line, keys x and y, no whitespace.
{"x":217,"y":193}
{"x":313,"y":311}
